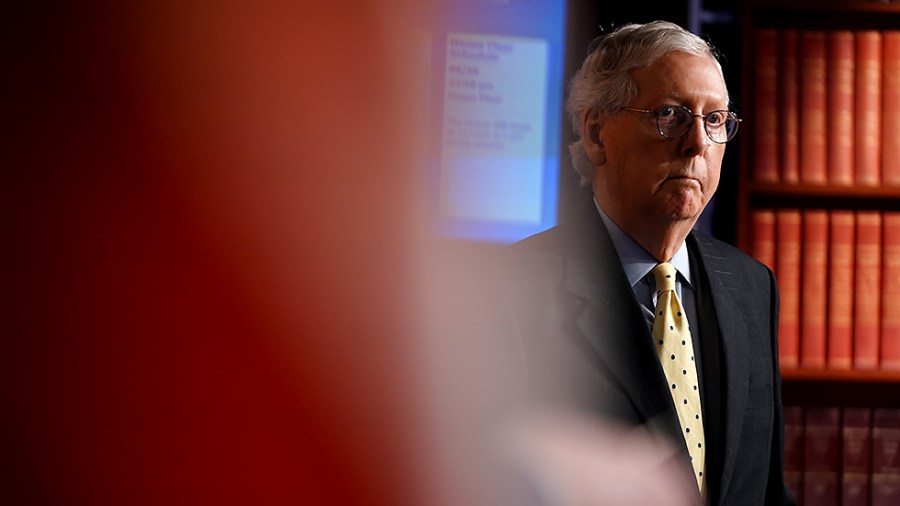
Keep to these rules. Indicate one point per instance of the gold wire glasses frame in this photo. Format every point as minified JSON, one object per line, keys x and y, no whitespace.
{"x":674,"y":121}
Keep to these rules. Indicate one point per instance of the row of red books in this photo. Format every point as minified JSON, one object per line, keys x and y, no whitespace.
{"x":846,"y":456}
{"x":827,"y":107}
{"x":838,"y":274}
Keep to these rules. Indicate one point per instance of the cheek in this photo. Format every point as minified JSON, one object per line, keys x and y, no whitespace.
{"x":714,"y":165}
{"x":639,"y":178}
{"x":712,"y":177}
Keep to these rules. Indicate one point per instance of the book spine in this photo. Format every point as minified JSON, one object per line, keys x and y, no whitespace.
{"x":763,"y":248}
{"x":765,"y":131}
{"x":890,"y":108}
{"x":789,"y":100}
{"x":840,"y":89}
{"x":840,"y":289}
{"x":885,"y":457}
{"x":814,"y":275}
{"x":793,"y":451}
{"x":813,"y":102}
{"x":788,"y":235}
{"x":867,"y":306}
{"x":856,"y":448}
{"x":868,"y":108}
{"x":890,"y":292}
{"x":821,"y":456}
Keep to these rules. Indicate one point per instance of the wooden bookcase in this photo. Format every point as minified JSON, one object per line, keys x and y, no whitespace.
{"x":820,"y":386}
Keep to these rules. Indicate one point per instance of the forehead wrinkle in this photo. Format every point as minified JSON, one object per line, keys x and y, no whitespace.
{"x":687,"y":93}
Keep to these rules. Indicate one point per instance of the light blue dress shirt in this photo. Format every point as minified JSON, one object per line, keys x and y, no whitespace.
{"x":638,"y":264}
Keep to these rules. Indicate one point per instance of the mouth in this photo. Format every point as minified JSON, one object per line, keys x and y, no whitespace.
{"x":684,"y":183}
{"x":682,"y":179}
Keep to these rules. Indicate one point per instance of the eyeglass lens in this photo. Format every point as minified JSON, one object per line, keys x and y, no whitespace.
{"x":674,"y":122}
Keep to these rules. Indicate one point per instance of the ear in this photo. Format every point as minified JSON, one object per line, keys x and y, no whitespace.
{"x":590,"y":137}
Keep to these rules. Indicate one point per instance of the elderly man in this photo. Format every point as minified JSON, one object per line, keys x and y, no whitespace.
{"x":626,"y":312}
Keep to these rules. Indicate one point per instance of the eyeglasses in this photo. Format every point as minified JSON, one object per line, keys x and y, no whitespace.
{"x":674,"y":121}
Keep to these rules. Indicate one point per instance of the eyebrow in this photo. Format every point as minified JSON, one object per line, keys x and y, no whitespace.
{"x":674,"y":95}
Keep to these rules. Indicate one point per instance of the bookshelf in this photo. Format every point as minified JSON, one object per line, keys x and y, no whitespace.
{"x":801,"y":191}
{"x":818,"y":197}
{"x":848,"y":388}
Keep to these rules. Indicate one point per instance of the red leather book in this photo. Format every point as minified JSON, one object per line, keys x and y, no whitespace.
{"x":856,"y":451}
{"x":763,"y":227}
{"x":787,"y":265}
{"x":867,"y":305}
{"x":789,"y":99}
{"x":765,"y":124}
{"x":793,"y":451}
{"x":890,"y":292}
{"x":840,"y":288}
{"x":890,"y":110}
{"x":841,"y":110}
{"x":821,"y":457}
{"x":813,"y":102}
{"x":868,"y":108}
{"x":885,"y":457}
{"x":814,"y":289}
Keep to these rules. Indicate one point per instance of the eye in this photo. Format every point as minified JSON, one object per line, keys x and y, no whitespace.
{"x":666,"y":111}
{"x":716,"y":118}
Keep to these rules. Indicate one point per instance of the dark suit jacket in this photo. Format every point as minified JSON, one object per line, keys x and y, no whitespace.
{"x":588,"y":344}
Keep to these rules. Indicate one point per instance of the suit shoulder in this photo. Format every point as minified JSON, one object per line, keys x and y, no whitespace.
{"x":550,"y":241}
{"x":732,"y":255}
{"x":537,"y":256}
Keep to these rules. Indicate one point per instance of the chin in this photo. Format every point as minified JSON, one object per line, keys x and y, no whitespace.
{"x":680,"y":209}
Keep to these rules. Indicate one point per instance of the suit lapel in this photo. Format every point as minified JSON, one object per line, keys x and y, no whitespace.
{"x":733,"y":332}
{"x":612,"y":323}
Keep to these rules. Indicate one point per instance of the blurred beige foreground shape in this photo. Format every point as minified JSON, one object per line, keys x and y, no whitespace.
{"x":572,"y":460}
{"x":493,"y":443}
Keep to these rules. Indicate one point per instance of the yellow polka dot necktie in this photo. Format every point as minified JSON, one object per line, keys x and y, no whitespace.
{"x":672,"y":337}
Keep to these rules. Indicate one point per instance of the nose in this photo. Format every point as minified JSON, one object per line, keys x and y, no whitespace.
{"x":696,"y":141}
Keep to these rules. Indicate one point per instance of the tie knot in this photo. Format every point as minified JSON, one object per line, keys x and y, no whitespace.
{"x":665,"y":276}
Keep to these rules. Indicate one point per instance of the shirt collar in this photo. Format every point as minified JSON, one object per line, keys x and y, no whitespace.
{"x":636,"y":261}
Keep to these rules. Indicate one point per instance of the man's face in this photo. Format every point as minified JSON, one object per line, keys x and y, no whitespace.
{"x":647,"y":176}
